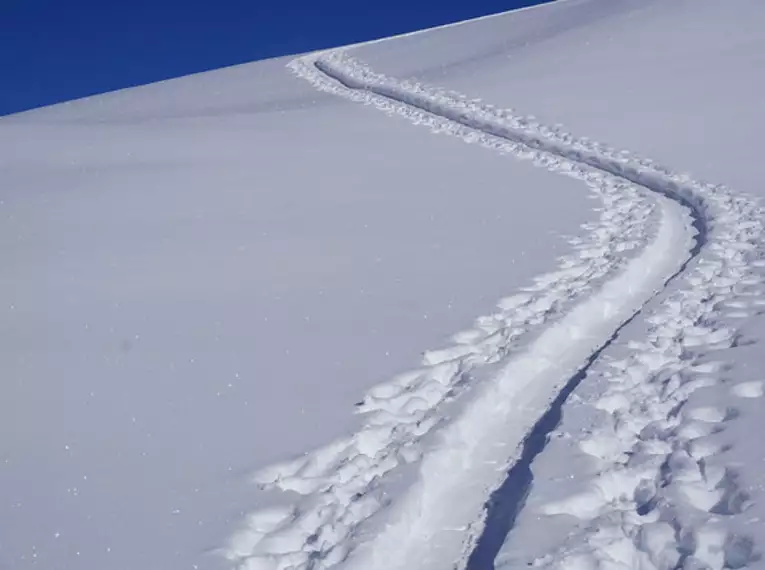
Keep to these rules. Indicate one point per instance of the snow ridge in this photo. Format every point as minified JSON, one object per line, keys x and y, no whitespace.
{"x":343,"y":484}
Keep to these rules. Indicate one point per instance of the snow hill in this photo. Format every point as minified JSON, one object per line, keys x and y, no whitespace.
{"x":360,"y":309}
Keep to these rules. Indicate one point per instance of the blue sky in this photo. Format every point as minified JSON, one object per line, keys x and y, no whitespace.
{"x":52,"y":51}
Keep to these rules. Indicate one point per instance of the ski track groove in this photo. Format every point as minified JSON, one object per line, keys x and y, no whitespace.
{"x":342,"y":486}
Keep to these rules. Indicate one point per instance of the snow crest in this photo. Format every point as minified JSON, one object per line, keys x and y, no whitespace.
{"x":512,"y":363}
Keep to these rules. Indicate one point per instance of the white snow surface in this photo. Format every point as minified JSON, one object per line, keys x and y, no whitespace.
{"x":253,"y":280}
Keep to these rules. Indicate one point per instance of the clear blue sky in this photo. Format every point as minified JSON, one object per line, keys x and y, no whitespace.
{"x":54,"y":50}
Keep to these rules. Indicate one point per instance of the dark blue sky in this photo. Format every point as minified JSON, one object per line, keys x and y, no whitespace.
{"x":53,"y":50}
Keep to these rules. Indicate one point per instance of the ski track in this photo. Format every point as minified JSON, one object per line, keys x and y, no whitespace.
{"x":500,"y":377}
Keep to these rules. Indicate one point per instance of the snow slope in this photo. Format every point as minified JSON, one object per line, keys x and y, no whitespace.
{"x":206,"y":274}
{"x":203,"y":276}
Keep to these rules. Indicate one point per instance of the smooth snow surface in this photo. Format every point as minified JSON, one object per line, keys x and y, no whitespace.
{"x":205,"y":275}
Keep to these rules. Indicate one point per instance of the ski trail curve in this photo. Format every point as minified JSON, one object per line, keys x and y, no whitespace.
{"x":516,"y":361}
{"x":356,"y":77}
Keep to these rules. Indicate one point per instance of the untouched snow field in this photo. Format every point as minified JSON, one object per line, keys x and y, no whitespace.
{"x":531,"y":349}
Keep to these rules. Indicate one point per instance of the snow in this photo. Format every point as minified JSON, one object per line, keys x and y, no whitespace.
{"x":207,"y":278}
{"x":204,"y":276}
{"x":752,"y":389}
